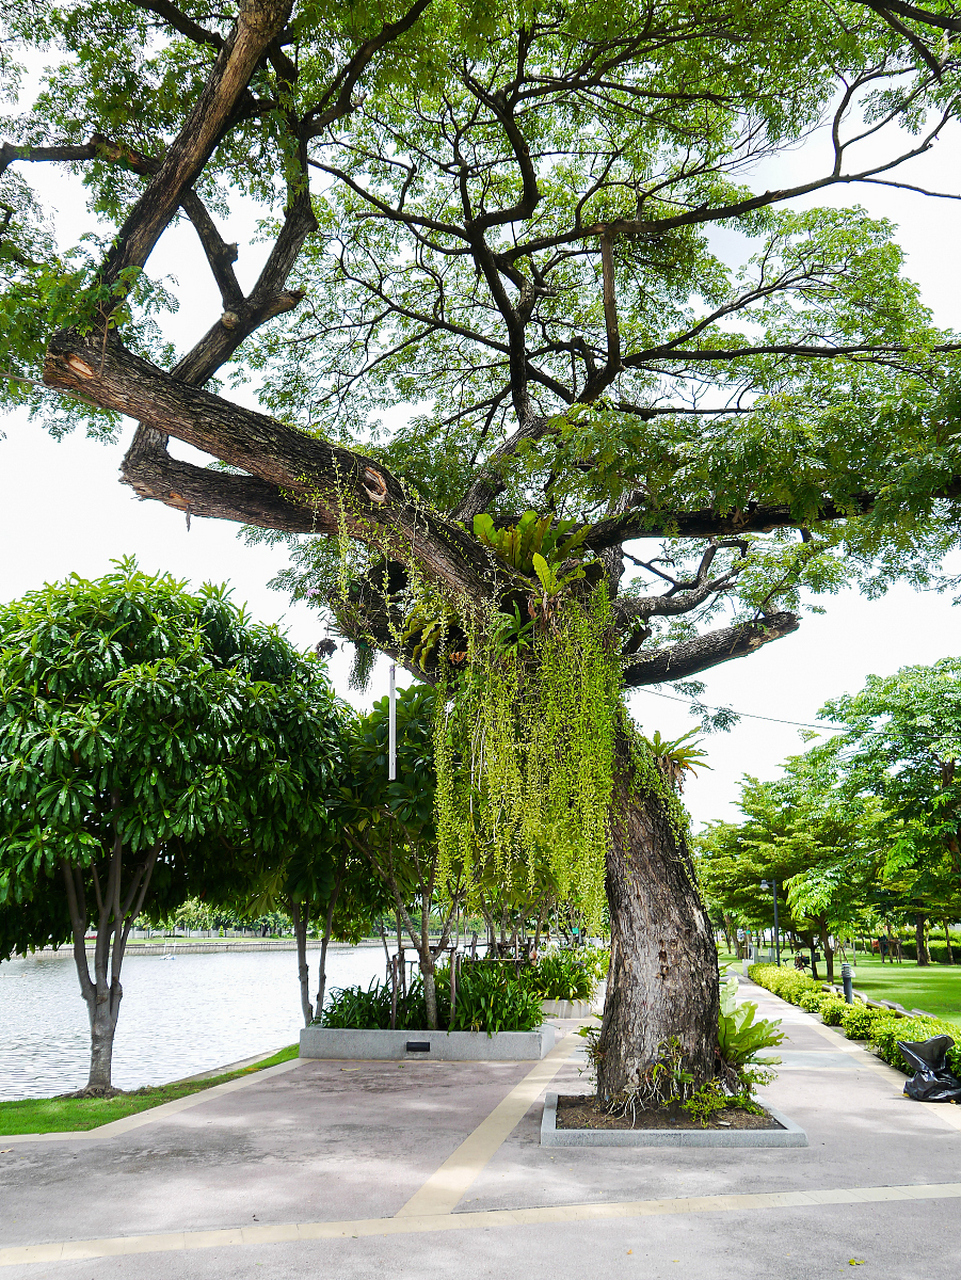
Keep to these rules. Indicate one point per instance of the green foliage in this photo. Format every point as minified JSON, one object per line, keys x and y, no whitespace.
{"x":904,"y":746}
{"x":888,"y":1030}
{"x":533,"y":538}
{"x":525,"y":757}
{"x":677,"y":755}
{"x":707,"y":1102}
{"x":597,"y":961}
{"x":786,"y":983}
{"x":742,"y":1034}
{"x":810,"y":1001}
{"x":134,"y":711}
{"x":489,"y":999}
{"x":857,"y":1020}
{"x":832,"y":1009}
{"x":561,"y":975}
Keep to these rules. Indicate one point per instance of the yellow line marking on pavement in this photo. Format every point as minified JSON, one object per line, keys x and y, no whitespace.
{"x":117,"y":1127}
{"x":444,"y":1188}
{"x":295,"y":1232}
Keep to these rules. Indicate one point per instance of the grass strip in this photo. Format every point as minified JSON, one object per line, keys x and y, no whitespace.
{"x":62,"y":1115}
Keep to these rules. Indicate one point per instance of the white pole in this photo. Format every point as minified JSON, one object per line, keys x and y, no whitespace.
{"x":392,"y":727}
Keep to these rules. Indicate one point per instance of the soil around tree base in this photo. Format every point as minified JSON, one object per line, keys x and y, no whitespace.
{"x":580,"y":1111}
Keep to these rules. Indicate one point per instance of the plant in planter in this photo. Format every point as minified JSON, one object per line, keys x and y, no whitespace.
{"x":741,"y":1037}
{"x":488,"y":999}
{"x":667,"y":1084}
{"x":561,"y":975}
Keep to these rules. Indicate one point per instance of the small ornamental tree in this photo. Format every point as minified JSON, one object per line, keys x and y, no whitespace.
{"x":153,"y":742}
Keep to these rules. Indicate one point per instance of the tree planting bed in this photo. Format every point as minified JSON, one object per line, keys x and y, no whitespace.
{"x":745,"y":1130}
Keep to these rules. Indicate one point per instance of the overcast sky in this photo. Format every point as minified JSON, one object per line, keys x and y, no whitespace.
{"x":64,"y":511}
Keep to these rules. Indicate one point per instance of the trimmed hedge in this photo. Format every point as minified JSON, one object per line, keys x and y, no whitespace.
{"x":789,"y":984}
{"x":858,"y":1019}
{"x":886,"y":1032}
{"x":879,"y":1026}
{"x":832,"y":1010}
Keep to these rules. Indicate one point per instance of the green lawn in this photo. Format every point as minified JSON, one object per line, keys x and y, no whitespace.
{"x":936,"y":988}
{"x":58,"y":1115}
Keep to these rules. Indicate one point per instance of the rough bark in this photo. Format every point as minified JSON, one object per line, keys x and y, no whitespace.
{"x":664,"y":978}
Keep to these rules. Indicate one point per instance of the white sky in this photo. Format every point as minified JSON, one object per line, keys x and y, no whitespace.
{"x":64,"y":511}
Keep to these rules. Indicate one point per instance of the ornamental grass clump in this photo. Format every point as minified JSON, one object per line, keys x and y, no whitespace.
{"x":488,"y":999}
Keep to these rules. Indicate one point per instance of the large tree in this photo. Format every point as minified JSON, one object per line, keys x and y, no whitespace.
{"x":504,"y":219}
{"x":904,"y":745}
{"x":154,"y":745}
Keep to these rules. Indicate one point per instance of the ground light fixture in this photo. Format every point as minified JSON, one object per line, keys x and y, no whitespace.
{"x":772,"y":885}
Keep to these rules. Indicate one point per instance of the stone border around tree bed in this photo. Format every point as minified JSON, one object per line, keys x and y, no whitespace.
{"x":444,"y":1046}
{"x":792,"y":1135}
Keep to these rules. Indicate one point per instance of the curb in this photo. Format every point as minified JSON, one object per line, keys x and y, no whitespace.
{"x":790,"y":1135}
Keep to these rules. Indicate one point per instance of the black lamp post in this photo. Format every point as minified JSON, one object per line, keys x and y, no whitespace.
{"x":772,"y":885}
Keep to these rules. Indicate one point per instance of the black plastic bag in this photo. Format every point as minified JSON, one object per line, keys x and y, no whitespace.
{"x":932,"y":1081}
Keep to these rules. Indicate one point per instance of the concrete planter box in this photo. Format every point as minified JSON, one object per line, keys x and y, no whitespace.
{"x":431,"y":1046}
{"x":567,"y":1008}
{"x":792,"y":1135}
{"x":576,"y":1008}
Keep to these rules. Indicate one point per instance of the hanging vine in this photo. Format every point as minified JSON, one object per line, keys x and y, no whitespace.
{"x":525,"y":750}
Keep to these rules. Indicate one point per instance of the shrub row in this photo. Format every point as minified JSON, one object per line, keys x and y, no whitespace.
{"x":937,"y":950}
{"x":881,"y":1027}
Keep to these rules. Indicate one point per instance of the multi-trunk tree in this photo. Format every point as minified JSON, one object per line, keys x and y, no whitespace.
{"x":516,"y":222}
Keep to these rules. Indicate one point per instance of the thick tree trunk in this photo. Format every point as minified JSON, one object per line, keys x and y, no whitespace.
{"x":663,"y":979}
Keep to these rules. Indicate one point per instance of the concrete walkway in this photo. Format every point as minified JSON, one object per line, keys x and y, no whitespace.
{"x":420,"y":1170}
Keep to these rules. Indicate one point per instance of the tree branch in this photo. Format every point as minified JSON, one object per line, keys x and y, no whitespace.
{"x":679,"y":661}
{"x":258,"y":22}
{"x":346,"y":490}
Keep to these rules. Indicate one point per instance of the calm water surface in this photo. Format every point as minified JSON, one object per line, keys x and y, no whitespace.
{"x":178,"y":1016}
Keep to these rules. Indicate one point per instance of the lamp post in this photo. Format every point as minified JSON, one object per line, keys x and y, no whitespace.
{"x":772,"y":885}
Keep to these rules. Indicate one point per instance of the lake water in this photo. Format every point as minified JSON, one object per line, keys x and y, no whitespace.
{"x":177,"y":1017}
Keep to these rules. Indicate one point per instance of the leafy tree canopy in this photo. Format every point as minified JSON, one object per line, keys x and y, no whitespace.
{"x":154,"y":745}
{"x":511,"y":227}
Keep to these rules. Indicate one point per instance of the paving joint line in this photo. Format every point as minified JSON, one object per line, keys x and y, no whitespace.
{"x":298,"y":1232}
{"x":447,"y":1185}
{"x":116,"y":1128}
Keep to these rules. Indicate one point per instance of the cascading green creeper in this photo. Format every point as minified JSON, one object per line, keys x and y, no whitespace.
{"x":525,"y":751}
